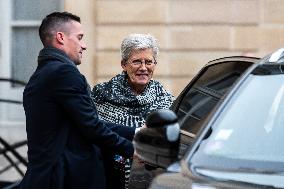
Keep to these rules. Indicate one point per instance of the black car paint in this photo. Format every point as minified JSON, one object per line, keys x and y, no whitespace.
{"x":189,"y":172}
{"x":187,"y":138}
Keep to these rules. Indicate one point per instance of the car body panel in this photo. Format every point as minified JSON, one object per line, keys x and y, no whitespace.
{"x":236,"y":149}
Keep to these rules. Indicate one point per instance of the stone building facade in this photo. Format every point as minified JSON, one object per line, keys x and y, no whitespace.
{"x":190,"y":33}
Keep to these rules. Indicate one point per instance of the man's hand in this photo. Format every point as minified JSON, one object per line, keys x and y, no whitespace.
{"x":139,"y":128}
{"x":144,"y":126}
{"x":137,"y":159}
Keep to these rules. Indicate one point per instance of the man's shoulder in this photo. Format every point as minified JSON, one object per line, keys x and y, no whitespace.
{"x":56,"y":72}
{"x":59,"y":65}
{"x":56,"y":68}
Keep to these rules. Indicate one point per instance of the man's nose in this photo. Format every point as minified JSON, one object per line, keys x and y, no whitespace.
{"x":83,"y":46}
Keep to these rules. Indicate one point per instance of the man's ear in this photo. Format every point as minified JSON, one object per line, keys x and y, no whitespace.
{"x":60,"y":37}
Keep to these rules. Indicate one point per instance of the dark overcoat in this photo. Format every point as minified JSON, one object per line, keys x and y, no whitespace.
{"x":64,"y":132}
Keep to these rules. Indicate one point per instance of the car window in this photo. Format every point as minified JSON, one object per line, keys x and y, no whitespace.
{"x":247,"y":134}
{"x":210,"y":86}
{"x":260,"y":116}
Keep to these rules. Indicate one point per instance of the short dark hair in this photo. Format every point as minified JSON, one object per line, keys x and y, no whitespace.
{"x":53,"y":23}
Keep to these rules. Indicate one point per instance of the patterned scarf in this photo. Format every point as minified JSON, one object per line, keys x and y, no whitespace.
{"x":117,"y":103}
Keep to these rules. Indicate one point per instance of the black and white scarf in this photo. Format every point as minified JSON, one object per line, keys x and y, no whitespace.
{"x":116,"y":102}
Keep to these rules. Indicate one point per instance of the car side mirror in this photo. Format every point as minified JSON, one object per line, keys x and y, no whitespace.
{"x":158,"y":144}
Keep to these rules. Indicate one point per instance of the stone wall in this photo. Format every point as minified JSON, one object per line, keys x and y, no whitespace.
{"x":190,"y":33}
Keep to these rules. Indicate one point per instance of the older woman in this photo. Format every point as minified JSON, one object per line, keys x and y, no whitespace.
{"x":130,"y":96}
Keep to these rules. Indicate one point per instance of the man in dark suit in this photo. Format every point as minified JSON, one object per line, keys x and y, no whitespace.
{"x":63,"y":129}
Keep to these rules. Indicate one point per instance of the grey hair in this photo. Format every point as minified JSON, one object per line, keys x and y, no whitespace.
{"x":138,"y":42}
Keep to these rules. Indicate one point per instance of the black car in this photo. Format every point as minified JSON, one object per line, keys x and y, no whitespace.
{"x":231,"y":121}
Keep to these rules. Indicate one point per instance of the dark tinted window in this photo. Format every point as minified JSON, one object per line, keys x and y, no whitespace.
{"x":201,"y":105}
{"x":200,"y":99}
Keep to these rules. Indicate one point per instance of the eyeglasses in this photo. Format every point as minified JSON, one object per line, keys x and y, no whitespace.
{"x":139,"y":62}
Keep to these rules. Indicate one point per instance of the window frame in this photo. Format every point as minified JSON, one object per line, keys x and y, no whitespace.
{"x":188,"y":138}
{"x":8,"y":90}
{"x":177,"y":104}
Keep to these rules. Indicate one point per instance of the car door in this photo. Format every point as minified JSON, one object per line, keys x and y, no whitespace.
{"x":202,"y":94}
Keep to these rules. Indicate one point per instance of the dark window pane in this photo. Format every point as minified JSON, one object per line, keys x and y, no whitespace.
{"x":201,"y":108}
{"x":203,"y":96}
{"x":25,"y":47}
{"x":34,"y":9}
{"x":221,"y":77}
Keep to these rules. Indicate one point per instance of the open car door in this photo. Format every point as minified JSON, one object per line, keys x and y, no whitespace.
{"x":202,"y":94}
